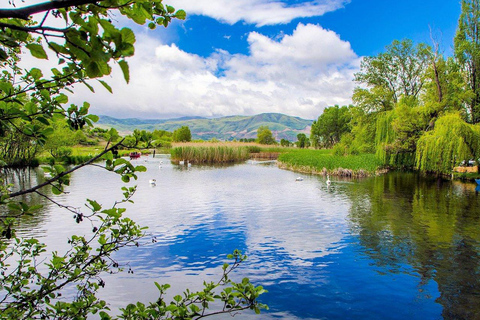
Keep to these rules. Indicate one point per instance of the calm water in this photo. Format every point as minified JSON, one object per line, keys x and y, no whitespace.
{"x":390,"y":247}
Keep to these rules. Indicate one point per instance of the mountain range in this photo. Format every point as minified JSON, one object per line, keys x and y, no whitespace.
{"x":224,"y":128}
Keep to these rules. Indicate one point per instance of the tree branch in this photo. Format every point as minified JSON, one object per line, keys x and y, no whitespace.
{"x":25,"y":12}
{"x":19,"y":193}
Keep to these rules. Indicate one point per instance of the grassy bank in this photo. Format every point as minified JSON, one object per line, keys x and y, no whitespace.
{"x":323,"y":162}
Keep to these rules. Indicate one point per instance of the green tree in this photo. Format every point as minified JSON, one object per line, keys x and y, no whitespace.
{"x":147,"y":138}
{"x":137,"y":135}
{"x":452,"y":141}
{"x":182,"y":134}
{"x":399,"y":71}
{"x":328,"y":129}
{"x":62,"y":136}
{"x":265,"y":136}
{"x":87,"y":45}
{"x":283,"y":142}
{"x":302,"y":141}
{"x":467,"y":52}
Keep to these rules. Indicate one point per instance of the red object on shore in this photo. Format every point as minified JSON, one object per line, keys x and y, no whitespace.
{"x":134,"y":155}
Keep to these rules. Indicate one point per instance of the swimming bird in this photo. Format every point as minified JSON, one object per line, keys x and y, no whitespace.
{"x":153,"y":182}
{"x":299,"y":179}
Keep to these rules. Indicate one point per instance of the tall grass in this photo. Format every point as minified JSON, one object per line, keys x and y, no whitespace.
{"x":324,"y":161}
{"x":210,"y":154}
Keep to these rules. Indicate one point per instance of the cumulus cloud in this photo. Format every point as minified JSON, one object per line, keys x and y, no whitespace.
{"x":299,"y":74}
{"x":258,"y":12}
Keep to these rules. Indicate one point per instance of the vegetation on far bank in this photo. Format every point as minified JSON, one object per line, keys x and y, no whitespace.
{"x":326,"y":162}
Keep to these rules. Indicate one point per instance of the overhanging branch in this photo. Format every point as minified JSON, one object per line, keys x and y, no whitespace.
{"x":19,"y":193}
{"x":25,"y":12}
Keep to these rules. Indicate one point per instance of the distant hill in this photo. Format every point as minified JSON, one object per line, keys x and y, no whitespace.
{"x":224,"y":128}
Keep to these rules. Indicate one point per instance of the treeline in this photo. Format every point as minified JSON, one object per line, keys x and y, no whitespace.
{"x":413,"y":107}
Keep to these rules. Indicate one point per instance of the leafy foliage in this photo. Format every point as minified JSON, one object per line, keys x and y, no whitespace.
{"x":330,"y":126}
{"x":467,"y":52}
{"x":265,"y":136}
{"x":452,"y":142}
{"x":182,"y":134}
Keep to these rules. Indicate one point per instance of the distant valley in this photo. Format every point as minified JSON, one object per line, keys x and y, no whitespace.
{"x":224,"y":128}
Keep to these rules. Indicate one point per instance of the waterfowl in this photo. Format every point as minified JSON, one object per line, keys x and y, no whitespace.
{"x":152,"y":182}
{"x":328,"y":180}
{"x":299,"y":179}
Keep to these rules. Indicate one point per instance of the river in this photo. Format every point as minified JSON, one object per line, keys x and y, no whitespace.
{"x":396,"y":246}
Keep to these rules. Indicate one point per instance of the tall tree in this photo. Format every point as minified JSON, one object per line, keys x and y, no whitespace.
{"x":397,"y":72}
{"x":467,"y":52}
{"x":330,"y":126}
{"x":182,"y":134}
{"x":302,"y":141}
{"x":265,"y":136}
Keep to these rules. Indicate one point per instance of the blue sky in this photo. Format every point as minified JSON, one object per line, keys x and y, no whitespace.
{"x":252,"y":56}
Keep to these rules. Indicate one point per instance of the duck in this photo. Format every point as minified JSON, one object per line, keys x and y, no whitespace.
{"x":299,"y":179}
{"x":153,"y":182}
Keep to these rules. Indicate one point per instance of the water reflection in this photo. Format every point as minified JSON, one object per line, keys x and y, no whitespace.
{"x":429,"y":225}
{"x":396,"y":246}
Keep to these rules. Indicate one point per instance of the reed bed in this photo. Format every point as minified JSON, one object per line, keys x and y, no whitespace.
{"x":210,"y":154}
{"x":325,"y":162}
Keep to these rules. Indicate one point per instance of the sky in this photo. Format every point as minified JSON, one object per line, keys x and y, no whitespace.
{"x":245,"y":57}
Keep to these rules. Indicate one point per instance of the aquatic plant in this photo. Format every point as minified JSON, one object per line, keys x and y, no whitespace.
{"x":210,"y":154}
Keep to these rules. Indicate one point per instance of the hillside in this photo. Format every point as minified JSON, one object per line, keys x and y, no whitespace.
{"x":225,"y":128}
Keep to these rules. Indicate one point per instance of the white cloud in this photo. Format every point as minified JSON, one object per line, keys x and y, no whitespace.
{"x":299,"y":74}
{"x":259,"y":12}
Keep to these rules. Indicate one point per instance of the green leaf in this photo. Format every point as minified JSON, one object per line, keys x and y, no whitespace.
{"x":56,"y":190}
{"x":42,"y":120}
{"x":170,"y":9}
{"x":61,"y":98}
{"x":88,"y":86}
{"x":127,"y":36}
{"x":126,"y":71}
{"x":181,"y":14}
{"x":95,"y":205}
{"x":37,"y":51}
{"x":151,"y":26}
{"x":3,"y":55}
{"x":93,"y":117}
{"x":106,"y":86}
{"x":141,"y":169}
{"x":35,"y":73}
{"x":93,"y":70}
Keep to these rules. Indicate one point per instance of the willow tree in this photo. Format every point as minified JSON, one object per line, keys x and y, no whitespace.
{"x":452,"y":141}
{"x":467,"y":52}
{"x":81,"y":36}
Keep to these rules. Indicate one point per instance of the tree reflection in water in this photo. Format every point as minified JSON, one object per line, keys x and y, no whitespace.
{"x":434,"y":226}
